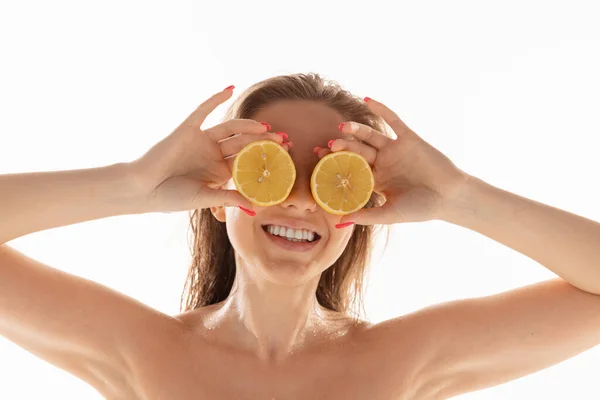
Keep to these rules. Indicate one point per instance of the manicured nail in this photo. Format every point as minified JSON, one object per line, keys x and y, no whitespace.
{"x":267,"y":125}
{"x":283,"y":134}
{"x":367,"y":99}
{"x":345,"y":224}
{"x":290,"y":144}
{"x":330,"y":143}
{"x":317,"y":149}
{"x":249,"y":212}
{"x":229,"y":87}
{"x":341,"y":126}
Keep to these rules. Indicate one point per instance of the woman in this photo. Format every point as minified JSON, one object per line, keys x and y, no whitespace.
{"x":267,"y":320}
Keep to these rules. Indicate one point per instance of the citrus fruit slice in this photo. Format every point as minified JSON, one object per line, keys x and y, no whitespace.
{"x":342,"y":182}
{"x":264,"y":173}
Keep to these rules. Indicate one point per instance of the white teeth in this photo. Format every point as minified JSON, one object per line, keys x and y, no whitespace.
{"x":294,"y":235}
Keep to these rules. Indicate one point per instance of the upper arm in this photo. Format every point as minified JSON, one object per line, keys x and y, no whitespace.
{"x":80,"y":326}
{"x":471,"y":344}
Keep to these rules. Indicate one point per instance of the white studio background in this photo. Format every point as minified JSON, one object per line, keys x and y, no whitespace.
{"x":508,"y":90}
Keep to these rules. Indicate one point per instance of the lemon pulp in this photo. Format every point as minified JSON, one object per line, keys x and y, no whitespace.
{"x":342,"y":182}
{"x":264,"y":173}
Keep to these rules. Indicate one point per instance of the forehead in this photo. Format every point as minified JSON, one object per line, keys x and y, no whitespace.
{"x":306,"y":122}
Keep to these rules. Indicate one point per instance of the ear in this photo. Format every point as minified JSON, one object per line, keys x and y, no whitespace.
{"x":219,"y":213}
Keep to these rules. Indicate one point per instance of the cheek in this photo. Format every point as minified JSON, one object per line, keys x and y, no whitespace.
{"x":238,"y":229}
{"x":338,"y":240}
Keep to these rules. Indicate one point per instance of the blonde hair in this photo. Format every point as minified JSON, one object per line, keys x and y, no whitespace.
{"x":212,"y":270}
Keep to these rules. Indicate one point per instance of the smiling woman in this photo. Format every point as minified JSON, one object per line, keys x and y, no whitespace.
{"x":271,"y":304}
{"x":295,"y":104}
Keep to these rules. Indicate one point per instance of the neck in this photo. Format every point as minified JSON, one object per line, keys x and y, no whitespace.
{"x":269,"y":319}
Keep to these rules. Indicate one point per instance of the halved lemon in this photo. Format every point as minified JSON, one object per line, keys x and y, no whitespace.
{"x":342,"y":182}
{"x":264,"y":173}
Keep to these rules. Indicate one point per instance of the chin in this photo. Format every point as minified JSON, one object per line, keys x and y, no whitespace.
{"x":289,"y":272}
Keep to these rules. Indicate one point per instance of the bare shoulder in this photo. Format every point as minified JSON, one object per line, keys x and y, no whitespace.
{"x":399,"y":349}
{"x":471,"y":344}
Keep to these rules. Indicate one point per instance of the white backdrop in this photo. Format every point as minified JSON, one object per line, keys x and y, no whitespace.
{"x":508,"y":90}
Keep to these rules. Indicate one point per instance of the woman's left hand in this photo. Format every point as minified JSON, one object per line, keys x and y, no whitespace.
{"x":417,"y":180}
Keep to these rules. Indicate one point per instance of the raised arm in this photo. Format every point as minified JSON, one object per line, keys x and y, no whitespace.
{"x":473,"y":344}
{"x":71,"y":322}
{"x":37,"y":201}
{"x":82,"y":327}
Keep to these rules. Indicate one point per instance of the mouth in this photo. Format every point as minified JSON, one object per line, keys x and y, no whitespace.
{"x":291,"y":239}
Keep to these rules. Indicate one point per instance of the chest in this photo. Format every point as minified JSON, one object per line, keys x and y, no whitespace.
{"x":331,"y":374}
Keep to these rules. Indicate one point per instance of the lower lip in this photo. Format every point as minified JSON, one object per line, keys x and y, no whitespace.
{"x":292,"y":246}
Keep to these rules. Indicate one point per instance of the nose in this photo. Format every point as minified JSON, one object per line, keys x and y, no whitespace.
{"x":300,"y":197}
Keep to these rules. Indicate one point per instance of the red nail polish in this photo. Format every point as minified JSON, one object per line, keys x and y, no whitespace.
{"x":316,"y":150}
{"x":267,"y":125}
{"x":330,"y":143}
{"x":229,"y":87}
{"x":249,"y":212}
{"x":367,"y":99}
{"x":283,"y":134}
{"x":341,"y":126}
{"x":345,"y":224}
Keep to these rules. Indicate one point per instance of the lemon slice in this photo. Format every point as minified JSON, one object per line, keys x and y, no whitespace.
{"x":342,"y":182}
{"x":264,"y":173}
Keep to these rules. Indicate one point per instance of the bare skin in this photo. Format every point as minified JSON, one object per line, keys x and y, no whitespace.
{"x":272,"y":307}
{"x":339,"y":361}
{"x":270,"y":339}
{"x":270,"y":333}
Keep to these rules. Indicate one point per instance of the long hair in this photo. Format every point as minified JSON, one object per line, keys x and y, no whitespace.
{"x":212,"y":271}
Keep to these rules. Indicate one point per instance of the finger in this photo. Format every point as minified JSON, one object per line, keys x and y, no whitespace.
{"x":366,"y":133}
{"x":390,"y":117}
{"x":225,"y":197}
{"x":197,"y":117}
{"x":369,"y":216}
{"x":234,"y":127}
{"x":368,"y":152}
{"x":287,"y":145}
{"x":321,"y":151}
{"x":232,"y":146}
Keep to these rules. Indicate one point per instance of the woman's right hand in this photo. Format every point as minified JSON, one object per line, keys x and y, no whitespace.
{"x":188,"y":169}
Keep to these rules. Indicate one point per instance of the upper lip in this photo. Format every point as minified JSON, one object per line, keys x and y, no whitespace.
{"x":294,"y":224}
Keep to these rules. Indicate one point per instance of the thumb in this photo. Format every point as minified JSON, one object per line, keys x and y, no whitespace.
{"x":226,"y":198}
{"x":370,"y":216}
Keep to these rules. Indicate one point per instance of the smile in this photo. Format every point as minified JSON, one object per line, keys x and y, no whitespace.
{"x":296,"y":240}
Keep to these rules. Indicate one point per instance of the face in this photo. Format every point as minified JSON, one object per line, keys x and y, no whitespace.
{"x":262,"y":256}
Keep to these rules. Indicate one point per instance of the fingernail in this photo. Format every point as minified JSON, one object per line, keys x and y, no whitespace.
{"x":229,"y":87}
{"x":283,"y":134}
{"x":290,"y":144}
{"x":317,"y":149}
{"x":330,"y":143}
{"x":341,"y":126}
{"x":267,"y":125}
{"x":367,"y":99}
{"x":249,"y":212}
{"x":345,"y":224}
